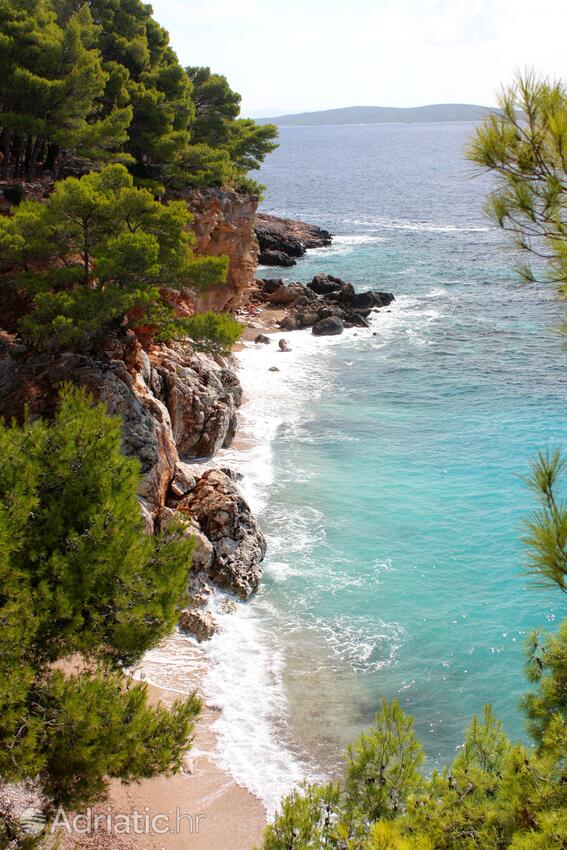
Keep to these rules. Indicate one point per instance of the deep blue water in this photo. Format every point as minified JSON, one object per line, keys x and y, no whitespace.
{"x":395,"y":497}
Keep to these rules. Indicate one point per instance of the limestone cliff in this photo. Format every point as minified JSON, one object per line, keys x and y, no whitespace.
{"x":224,"y":225}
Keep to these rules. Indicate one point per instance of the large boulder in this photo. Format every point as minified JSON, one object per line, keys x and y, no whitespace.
{"x":202,"y":397}
{"x":372,"y":298}
{"x":270,"y":284}
{"x":276,"y":258}
{"x":286,"y":294}
{"x":288,"y":236}
{"x":328,"y":327}
{"x":225,"y":518}
{"x":202,"y":624}
{"x":323,"y":284}
{"x":289,"y":323}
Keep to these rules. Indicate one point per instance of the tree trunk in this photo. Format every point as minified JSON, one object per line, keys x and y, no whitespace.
{"x":50,"y":159}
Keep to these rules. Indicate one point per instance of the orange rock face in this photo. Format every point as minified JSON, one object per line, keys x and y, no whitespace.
{"x":224,"y":225}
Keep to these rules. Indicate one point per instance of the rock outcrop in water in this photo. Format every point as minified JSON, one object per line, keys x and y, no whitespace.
{"x":325,"y":298}
{"x":283,"y":240}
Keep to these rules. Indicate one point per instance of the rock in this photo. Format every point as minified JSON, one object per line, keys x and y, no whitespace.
{"x":288,"y":236}
{"x":327,"y":312}
{"x":262,"y":338}
{"x":286,"y":294}
{"x":203,"y":552}
{"x":273,"y":369}
{"x":356,"y":320}
{"x":283,"y":345}
{"x":202,"y":624}
{"x":323,"y":284}
{"x":201,"y":397}
{"x":231,"y":473}
{"x":307,"y":318}
{"x":147,"y":517}
{"x":302,"y":301}
{"x":270,"y":284}
{"x":183,"y":479}
{"x":371,"y":298}
{"x":225,"y":518}
{"x":328,"y":327}
{"x":276,"y":258}
{"x":289,"y":323}
{"x":171,"y":401}
{"x":346,"y":295}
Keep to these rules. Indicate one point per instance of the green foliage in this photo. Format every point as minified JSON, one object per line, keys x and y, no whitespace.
{"x":525,"y":149}
{"x":210,"y":332}
{"x":494,"y":796}
{"x":216,"y":107}
{"x":98,"y":250}
{"x":547,"y":529}
{"x":547,"y":668}
{"x":80,"y":578}
{"x":383,"y":766}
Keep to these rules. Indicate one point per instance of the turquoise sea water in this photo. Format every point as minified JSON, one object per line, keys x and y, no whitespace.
{"x":388,"y":475}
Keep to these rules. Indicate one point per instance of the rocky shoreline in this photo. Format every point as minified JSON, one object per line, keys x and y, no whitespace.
{"x":327,"y":304}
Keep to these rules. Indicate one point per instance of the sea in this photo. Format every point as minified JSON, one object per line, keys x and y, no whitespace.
{"x":387,"y":466}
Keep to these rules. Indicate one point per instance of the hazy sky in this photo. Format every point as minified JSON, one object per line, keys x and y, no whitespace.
{"x":292,"y":56}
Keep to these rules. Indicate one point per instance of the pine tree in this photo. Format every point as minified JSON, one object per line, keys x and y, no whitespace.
{"x":51,"y":79}
{"x":79,"y":578}
{"x":98,"y":251}
{"x":524,"y":148}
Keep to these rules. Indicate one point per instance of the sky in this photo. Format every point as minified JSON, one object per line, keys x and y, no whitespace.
{"x":292,"y":56}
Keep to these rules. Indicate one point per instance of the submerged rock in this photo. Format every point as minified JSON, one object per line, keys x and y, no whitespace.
{"x":265,"y":340}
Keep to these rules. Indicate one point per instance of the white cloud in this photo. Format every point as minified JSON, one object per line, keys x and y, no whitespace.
{"x":294,"y":56}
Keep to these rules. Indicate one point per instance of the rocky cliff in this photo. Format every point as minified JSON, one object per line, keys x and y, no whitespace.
{"x":224,"y":225}
{"x":176,"y":405}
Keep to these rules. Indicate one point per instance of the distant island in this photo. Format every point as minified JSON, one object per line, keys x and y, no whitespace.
{"x":385,"y":114}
